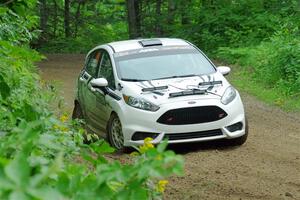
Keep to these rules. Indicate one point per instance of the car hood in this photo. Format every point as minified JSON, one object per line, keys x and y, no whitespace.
{"x":175,"y":85}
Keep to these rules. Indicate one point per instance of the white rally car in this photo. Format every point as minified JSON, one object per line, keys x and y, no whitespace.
{"x":160,"y":88}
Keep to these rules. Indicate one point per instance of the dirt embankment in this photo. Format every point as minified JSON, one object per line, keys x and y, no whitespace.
{"x":266,"y":167}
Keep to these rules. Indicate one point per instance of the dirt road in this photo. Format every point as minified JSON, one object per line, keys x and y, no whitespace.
{"x":266,"y":167}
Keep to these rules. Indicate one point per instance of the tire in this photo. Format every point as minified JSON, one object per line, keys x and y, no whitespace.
{"x":240,"y":140}
{"x":115,"y":134}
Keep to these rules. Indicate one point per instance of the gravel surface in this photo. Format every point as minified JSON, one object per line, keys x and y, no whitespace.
{"x":267,"y":166}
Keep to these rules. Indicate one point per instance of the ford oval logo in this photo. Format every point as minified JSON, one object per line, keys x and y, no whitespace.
{"x":191,"y":102}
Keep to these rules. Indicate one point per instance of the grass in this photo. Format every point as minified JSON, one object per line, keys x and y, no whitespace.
{"x":243,"y":81}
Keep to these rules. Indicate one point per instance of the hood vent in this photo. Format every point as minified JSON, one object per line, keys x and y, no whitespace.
{"x":151,"y":42}
{"x":186,"y":93}
{"x":151,"y":89}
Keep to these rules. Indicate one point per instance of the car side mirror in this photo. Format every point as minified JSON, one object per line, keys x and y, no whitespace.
{"x":224,"y":70}
{"x":99,"y":83}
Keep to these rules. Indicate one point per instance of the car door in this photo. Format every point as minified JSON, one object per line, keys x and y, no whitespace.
{"x":87,"y":93}
{"x":102,"y":107}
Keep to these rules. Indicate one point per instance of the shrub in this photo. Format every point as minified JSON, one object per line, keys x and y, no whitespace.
{"x":38,"y":149}
{"x":275,"y":63}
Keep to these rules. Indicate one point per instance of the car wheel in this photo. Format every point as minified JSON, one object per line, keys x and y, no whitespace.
{"x":240,"y":140}
{"x":115,"y":134}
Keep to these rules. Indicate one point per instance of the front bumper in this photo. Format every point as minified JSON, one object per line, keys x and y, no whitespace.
{"x":134,"y":120}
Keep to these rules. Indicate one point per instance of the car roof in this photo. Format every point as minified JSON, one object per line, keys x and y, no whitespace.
{"x":128,"y":45}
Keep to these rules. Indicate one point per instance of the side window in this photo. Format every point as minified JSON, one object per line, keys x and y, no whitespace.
{"x":106,"y":70}
{"x":93,"y":63}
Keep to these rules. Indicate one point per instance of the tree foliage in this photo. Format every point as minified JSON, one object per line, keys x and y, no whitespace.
{"x":85,"y":24}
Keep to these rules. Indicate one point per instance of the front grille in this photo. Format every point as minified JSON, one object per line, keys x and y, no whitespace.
{"x":192,"y":115}
{"x":191,"y":135}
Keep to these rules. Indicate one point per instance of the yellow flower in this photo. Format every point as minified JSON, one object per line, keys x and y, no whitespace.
{"x":64,"y":118}
{"x":143,"y":149}
{"x":148,"y":142}
{"x":61,"y":128}
{"x":147,"y":145}
{"x":161,"y":186}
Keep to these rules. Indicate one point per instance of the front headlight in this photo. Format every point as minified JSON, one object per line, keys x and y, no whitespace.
{"x":140,"y":103}
{"x":228,"y":95}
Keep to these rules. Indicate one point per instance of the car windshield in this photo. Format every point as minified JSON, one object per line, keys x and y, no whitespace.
{"x":161,"y":63}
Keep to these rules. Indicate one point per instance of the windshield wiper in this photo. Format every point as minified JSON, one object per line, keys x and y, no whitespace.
{"x":210,"y":83}
{"x":176,"y":76}
{"x":132,"y":79}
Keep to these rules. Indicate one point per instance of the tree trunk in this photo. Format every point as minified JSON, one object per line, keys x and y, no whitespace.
{"x":67,"y":19}
{"x":158,"y":27}
{"x":138,"y":16}
{"x":171,"y":12}
{"x":77,"y":16}
{"x":43,"y":18}
{"x":171,"y":16}
{"x":55,"y":19}
{"x":185,"y":16}
{"x":133,"y":18}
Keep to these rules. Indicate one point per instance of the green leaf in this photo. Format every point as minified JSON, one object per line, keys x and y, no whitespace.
{"x":18,"y":195}
{"x":18,"y":170}
{"x":137,"y":191}
{"x":46,"y":193}
{"x":50,"y":142}
{"x":162,"y":146}
{"x":5,"y":184}
{"x":101,"y":147}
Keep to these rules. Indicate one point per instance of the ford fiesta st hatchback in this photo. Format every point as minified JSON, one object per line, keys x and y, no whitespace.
{"x":159,"y":88}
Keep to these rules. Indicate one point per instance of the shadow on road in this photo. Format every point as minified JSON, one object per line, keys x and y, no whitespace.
{"x":184,"y":148}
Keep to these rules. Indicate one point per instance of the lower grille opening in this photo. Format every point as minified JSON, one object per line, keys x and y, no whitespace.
{"x":235,"y":127}
{"x":142,"y":135}
{"x":192,"y":135}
